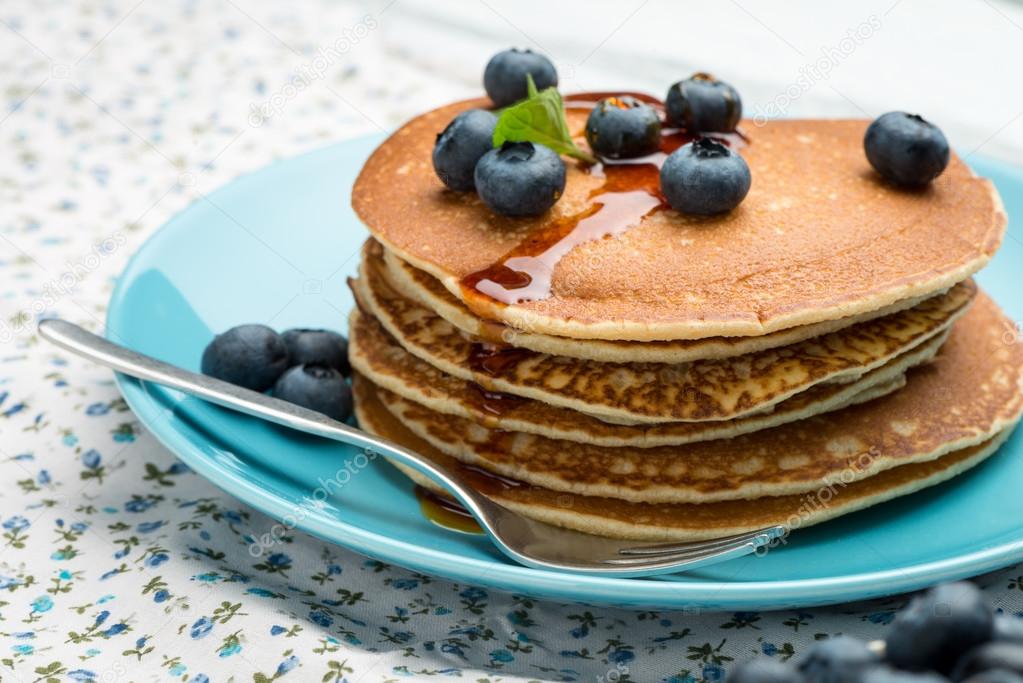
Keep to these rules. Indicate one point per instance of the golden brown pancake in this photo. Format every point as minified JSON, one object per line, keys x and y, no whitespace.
{"x":970,"y":393}
{"x":674,"y":522}
{"x":709,"y":390}
{"x":819,"y":237}
{"x":426,"y":289}
{"x":379,"y":358}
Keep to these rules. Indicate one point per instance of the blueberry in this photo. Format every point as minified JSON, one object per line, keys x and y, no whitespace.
{"x":998,"y":654}
{"x":316,"y":387}
{"x":520,"y":179}
{"x":469,"y":136}
{"x":623,"y":128}
{"x":251,"y":356}
{"x":1008,"y":628}
{"x":703,"y":104}
{"x":938,"y":626}
{"x":906,"y":149}
{"x":317,"y":346}
{"x":704,"y":177}
{"x":504,"y":79}
{"x":837,"y":660}
{"x":764,"y":670}
{"x":886,"y":674}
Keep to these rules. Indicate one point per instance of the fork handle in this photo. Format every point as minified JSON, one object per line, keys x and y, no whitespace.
{"x":83,"y":343}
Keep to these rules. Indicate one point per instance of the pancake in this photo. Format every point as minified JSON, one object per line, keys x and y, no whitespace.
{"x":970,"y":393}
{"x":379,"y":358}
{"x":681,"y":522}
{"x":718,"y":389}
{"x":426,"y":289}
{"x":818,"y":238}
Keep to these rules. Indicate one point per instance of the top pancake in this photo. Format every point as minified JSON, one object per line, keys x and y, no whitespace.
{"x":819,"y":237}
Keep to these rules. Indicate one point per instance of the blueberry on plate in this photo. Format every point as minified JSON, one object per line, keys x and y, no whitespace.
{"x":938,"y":627}
{"x":469,"y":136}
{"x":623,"y":128}
{"x":837,"y":660}
{"x":520,"y":179}
{"x":250,"y":356}
{"x":317,"y":346}
{"x":504,"y":79}
{"x":316,"y":387}
{"x":704,"y":177}
{"x":764,"y":670}
{"x":905,"y":148}
{"x":996,"y":655}
{"x":703,"y":104}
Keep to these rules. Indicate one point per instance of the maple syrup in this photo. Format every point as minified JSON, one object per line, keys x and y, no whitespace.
{"x":494,"y":403}
{"x":631,"y":191}
{"x":494,"y":359}
{"x":448,"y":513}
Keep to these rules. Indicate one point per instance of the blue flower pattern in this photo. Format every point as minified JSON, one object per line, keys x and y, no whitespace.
{"x":117,"y":560}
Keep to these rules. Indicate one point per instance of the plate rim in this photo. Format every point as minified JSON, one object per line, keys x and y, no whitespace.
{"x":501,"y":574}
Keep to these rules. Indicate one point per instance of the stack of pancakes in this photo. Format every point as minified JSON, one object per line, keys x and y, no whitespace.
{"x":619,"y":368}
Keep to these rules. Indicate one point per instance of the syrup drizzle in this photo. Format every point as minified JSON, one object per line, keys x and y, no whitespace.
{"x":630,"y":192}
{"x":494,"y":403}
{"x":449,"y":513}
{"x":445,"y":512}
{"x":490,"y":360}
{"x":493,"y":359}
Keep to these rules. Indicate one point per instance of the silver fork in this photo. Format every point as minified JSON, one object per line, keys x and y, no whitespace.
{"x":532,"y":543}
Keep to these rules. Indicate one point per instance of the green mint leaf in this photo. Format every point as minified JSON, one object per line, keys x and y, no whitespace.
{"x":539,"y":118}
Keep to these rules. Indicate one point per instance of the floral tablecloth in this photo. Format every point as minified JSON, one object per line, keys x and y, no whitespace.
{"x":117,"y":562}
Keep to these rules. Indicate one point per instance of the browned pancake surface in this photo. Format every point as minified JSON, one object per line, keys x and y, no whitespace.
{"x":818,"y":237}
{"x":971,"y":392}
{"x":378,"y":357}
{"x":679,"y":522}
{"x":428,"y":290}
{"x":707,"y":390}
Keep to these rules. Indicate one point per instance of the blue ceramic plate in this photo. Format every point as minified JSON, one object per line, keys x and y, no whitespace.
{"x":276,"y":246}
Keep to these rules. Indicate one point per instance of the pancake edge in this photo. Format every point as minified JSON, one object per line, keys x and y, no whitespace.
{"x":603,"y":350}
{"x":602,"y":526}
{"x":666,"y":495}
{"x":517,"y":317}
{"x":861,"y":390}
{"x":366,"y":300}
